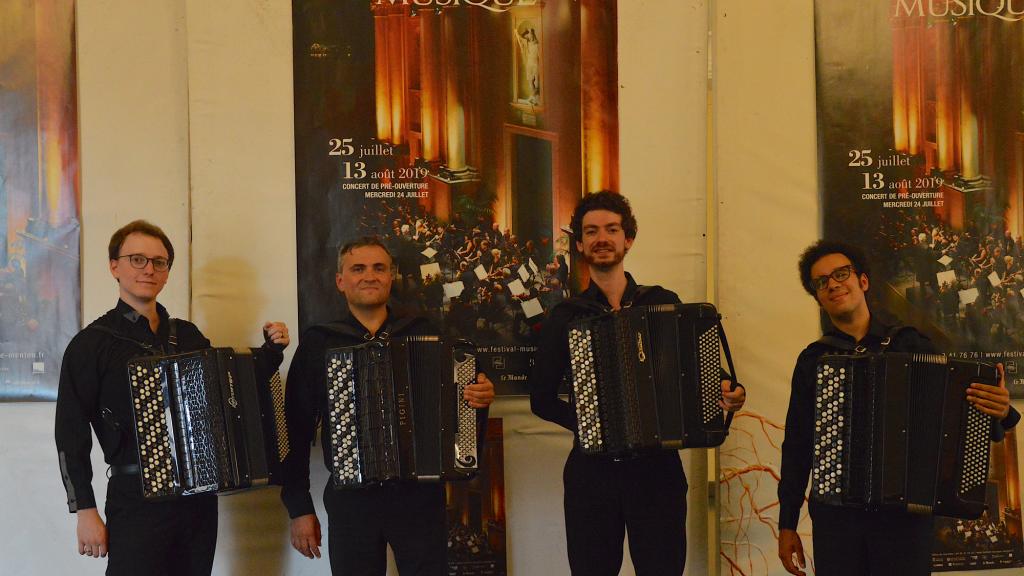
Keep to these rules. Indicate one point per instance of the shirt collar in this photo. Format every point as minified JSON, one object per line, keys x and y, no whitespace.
{"x":133,"y":315}
{"x":593,"y":292}
{"x":876,"y":332}
{"x":350,"y":319}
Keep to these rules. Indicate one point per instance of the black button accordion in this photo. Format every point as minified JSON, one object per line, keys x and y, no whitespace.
{"x":895,"y":430}
{"x":207,"y":421}
{"x":649,"y":377}
{"x":396,"y":411}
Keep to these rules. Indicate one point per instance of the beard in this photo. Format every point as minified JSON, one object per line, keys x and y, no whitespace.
{"x":602,"y":261}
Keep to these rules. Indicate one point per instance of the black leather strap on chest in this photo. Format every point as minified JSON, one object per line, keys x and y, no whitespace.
{"x":170,"y":348}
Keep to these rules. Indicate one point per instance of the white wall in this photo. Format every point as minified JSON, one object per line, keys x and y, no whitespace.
{"x":186,"y":111}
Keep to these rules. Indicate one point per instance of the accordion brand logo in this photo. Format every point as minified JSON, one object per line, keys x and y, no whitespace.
{"x":640,"y":348}
{"x":231,"y":389}
{"x":403,"y":409}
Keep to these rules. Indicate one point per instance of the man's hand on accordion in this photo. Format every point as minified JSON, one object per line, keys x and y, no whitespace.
{"x":276,"y":333}
{"x":306,"y":535}
{"x":92,"y":534}
{"x":732,"y":400}
{"x":481,"y":394}
{"x":992,"y":400}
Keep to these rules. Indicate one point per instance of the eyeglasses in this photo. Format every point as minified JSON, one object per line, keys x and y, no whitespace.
{"x":139,"y":261}
{"x":839,"y":275}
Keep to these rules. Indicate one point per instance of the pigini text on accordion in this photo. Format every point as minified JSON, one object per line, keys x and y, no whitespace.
{"x":207,"y":421}
{"x":895,"y":431}
{"x":396,"y":411}
{"x":649,"y":377}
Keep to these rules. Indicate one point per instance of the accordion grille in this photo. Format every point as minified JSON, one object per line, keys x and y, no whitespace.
{"x":829,"y":428}
{"x":202,"y":426}
{"x":465,"y":442}
{"x":708,"y":348}
{"x":155,"y":453}
{"x":974,"y":472}
{"x":584,"y":383}
{"x":343,"y":433}
{"x":277,"y":398}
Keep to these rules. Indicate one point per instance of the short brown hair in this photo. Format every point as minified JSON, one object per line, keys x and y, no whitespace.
{"x":363,"y":242}
{"x":139,"y":227}
{"x":603,"y":200}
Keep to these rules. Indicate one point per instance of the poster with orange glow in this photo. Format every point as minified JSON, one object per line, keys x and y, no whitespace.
{"x":40,"y":197}
{"x":476,"y":514}
{"x":461,"y":133}
{"x":921,"y":152}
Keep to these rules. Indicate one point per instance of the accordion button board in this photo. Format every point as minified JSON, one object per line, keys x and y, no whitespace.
{"x":895,"y":431}
{"x":647,"y":378}
{"x":206,"y":421}
{"x":396,"y":411}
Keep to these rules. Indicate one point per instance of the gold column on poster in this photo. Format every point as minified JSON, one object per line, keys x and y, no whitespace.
{"x":381,"y":75}
{"x":455,"y":120}
{"x":56,"y":111}
{"x":912,"y":58}
{"x":945,"y":97}
{"x":396,"y":74}
{"x":968,"y":117}
{"x":899,"y":87}
{"x":430,"y":80}
{"x":600,"y":96}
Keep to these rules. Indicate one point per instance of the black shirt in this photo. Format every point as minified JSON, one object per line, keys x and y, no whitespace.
{"x":797,"y":451}
{"x":552,"y":358}
{"x":94,"y":392}
{"x":306,"y":395}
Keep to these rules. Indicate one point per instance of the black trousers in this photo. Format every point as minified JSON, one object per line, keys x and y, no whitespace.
{"x":850,"y":542}
{"x":167,"y":538}
{"x":363,"y":521}
{"x":643,"y":497}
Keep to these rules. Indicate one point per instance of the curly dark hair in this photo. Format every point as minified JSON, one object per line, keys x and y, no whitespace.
{"x":823,"y":248}
{"x":363,"y":242}
{"x":603,"y":200}
{"x":139,"y":227}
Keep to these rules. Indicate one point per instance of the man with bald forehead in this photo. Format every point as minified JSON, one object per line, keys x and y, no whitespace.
{"x":408,"y":515}
{"x":170,"y":537}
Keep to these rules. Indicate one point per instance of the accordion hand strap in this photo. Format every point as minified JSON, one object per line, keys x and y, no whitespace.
{"x":732,"y":369}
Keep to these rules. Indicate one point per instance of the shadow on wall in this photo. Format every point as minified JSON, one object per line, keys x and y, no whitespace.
{"x":228,"y":305}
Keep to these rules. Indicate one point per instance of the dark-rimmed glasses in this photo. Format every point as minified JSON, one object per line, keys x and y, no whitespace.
{"x":139,"y":261}
{"x":839,"y":275}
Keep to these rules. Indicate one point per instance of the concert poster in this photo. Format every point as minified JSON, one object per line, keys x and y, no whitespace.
{"x":461,"y":133}
{"x":921,"y":161}
{"x":40,"y":195}
{"x":476,"y":514}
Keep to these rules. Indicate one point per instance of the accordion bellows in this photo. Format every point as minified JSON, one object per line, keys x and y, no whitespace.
{"x":648,"y":377}
{"x":396,"y":411}
{"x":895,"y":431}
{"x":206,"y":421}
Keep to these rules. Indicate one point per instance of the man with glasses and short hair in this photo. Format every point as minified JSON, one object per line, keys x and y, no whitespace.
{"x":169,"y":537}
{"x":849,"y":541}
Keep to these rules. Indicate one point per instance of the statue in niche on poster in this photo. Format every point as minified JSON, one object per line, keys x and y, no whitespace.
{"x":529,"y":81}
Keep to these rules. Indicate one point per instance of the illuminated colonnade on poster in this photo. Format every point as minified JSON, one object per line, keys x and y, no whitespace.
{"x":940,"y":73}
{"x":441,"y":110}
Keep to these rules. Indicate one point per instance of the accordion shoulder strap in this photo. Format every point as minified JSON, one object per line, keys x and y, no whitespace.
{"x":732,"y":368}
{"x":391,"y":327}
{"x":172,"y":336}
